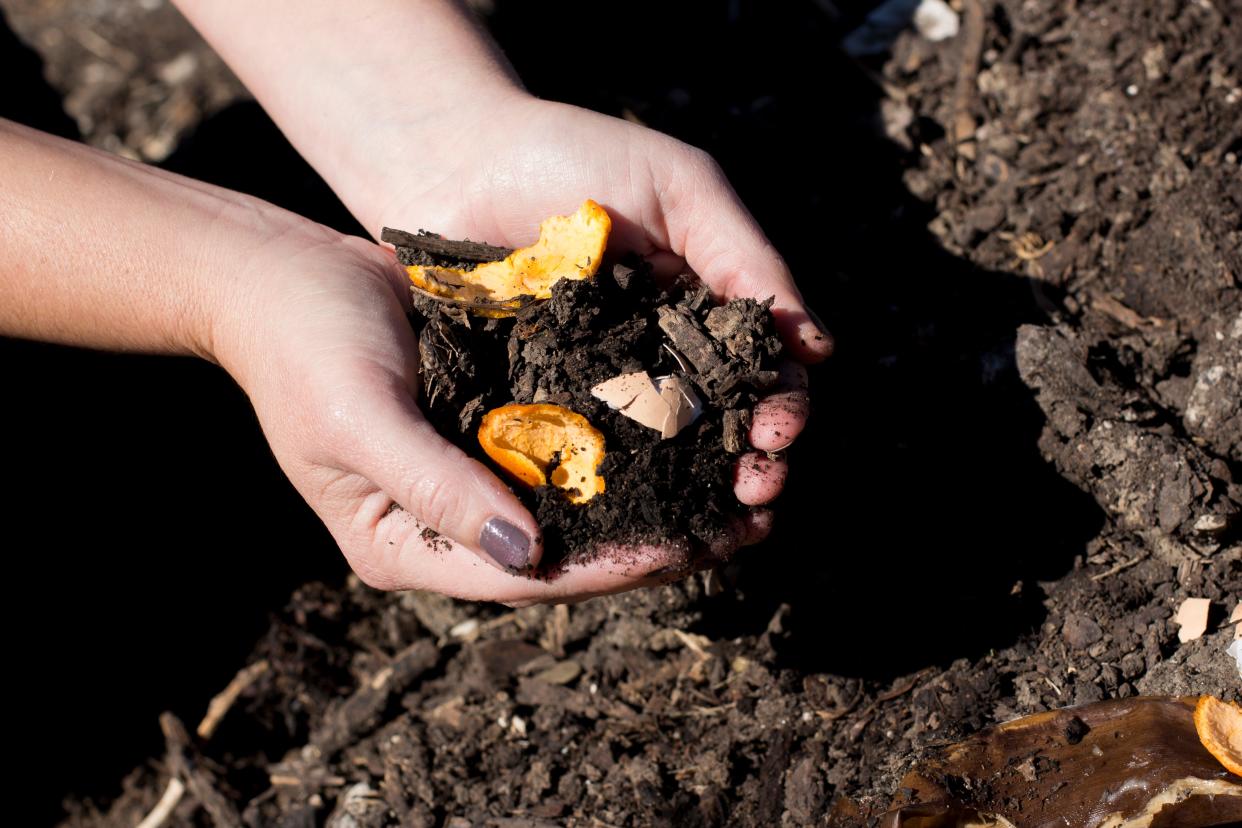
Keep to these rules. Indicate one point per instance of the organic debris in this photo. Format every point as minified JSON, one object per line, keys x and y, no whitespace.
{"x":1135,"y":759}
{"x":529,"y":441}
{"x":1192,"y":617}
{"x":1219,"y":725}
{"x":666,"y":404}
{"x":569,"y":247}
{"x":676,"y":376}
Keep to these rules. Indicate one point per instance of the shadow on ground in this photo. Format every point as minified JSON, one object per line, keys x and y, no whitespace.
{"x":155,"y":530}
{"x":919,"y":516}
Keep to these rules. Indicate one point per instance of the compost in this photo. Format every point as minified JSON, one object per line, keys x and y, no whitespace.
{"x":1024,"y":455}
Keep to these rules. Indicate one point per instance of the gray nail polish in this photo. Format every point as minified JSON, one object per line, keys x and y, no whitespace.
{"x":508,"y":545}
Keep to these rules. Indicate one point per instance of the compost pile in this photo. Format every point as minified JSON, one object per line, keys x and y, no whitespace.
{"x":670,"y":486}
{"x":1025,"y":457}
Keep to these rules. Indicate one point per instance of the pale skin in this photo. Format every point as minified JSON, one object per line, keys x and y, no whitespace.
{"x":100,"y":252}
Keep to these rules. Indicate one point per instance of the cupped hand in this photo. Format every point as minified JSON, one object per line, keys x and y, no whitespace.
{"x":331,"y":363}
{"x":494,"y":174}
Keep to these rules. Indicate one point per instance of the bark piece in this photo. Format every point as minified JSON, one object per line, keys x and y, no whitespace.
{"x":686,"y":335}
{"x":448,"y":248}
{"x":736,"y":430}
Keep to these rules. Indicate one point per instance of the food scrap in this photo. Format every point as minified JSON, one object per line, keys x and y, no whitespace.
{"x":569,"y":247}
{"x":1219,"y":725}
{"x":666,"y":404}
{"x":528,"y":441}
{"x":1127,"y":762}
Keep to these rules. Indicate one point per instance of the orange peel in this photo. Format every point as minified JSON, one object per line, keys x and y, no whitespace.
{"x":528,"y":440}
{"x":1219,"y":725}
{"x":569,"y":247}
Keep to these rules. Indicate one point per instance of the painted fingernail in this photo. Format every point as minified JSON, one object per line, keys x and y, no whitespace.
{"x":507,"y":545}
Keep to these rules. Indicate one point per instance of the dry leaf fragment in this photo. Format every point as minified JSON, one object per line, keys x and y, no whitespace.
{"x":1192,"y":617}
{"x":569,"y":247}
{"x":528,"y":440}
{"x":1219,"y":725}
{"x":665,"y":404}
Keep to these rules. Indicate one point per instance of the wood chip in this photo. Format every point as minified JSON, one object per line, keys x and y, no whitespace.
{"x":561,"y":673}
{"x":736,"y":430}
{"x":1192,"y":617}
{"x":689,"y":339}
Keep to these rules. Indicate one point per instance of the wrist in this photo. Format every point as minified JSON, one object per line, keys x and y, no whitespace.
{"x":248,"y":257}
{"x":407,"y":151}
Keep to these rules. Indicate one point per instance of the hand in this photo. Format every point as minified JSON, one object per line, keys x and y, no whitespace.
{"x":494,"y":176}
{"x":321,"y":343}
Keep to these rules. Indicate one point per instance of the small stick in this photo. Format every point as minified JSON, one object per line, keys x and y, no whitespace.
{"x":962,"y":127}
{"x":164,"y":808}
{"x":468,"y":250}
{"x":216,"y":709}
{"x":184,"y":764}
{"x":220,"y":705}
{"x":1121,"y":567}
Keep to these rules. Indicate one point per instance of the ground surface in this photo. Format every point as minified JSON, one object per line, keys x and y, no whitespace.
{"x":1024,"y":454}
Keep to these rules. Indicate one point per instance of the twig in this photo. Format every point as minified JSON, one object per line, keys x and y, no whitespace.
{"x":167,"y":804}
{"x":467,"y":250}
{"x":904,"y":687}
{"x":900,"y":689}
{"x":1121,"y":567}
{"x":220,"y":704}
{"x":216,"y":710}
{"x":833,"y":715}
{"x":183,"y":763}
{"x":962,"y":127}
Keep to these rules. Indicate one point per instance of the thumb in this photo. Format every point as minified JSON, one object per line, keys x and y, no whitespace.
{"x":446,"y":489}
{"x":721,"y":242}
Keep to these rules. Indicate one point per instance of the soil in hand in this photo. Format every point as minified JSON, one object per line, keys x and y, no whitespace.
{"x":674,"y":491}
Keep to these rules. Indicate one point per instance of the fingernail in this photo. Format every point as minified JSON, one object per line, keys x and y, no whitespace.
{"x":819,"y":323}
{"x":507,"y":545}
{"x":824,"y":335}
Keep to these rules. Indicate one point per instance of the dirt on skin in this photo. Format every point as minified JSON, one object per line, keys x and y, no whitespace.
{"x":1074,"y":315}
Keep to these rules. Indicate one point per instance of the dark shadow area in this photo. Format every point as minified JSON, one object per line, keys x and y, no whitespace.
{"x":154,"y":531}
{"x":26,"y":97}
{"x":147,"y":523}
{"x":919,"y":514}
{"x":241,"y":149}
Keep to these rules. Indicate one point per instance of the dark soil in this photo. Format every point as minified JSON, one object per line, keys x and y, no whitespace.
{"x":1024,"y":454}
{"x":676,"y":492}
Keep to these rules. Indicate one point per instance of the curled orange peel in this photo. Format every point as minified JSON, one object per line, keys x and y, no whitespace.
{"x":569,"y":247}
{"x":1219,"y":725}
{"x":527,"y":440}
